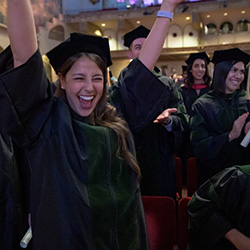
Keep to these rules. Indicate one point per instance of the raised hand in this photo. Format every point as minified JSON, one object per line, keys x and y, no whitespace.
{"x":152,"y":46}
{"x":21,"y":30}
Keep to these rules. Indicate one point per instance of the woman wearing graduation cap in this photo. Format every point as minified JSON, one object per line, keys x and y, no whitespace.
{"x":196,"y":83}
{"x":84,"y":183}
{"x":220,"y":119}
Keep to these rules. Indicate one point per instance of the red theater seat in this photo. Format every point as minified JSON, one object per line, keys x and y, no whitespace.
{"x":161,"y":222}
{"x":182,"y":226}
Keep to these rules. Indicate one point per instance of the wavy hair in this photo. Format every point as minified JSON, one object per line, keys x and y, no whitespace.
{"x":104,"y":114}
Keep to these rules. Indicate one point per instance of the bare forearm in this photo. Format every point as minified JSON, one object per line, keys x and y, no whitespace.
{"x":21,"y":30}
{"x":239,"y":240}
{"x":153,"y":44}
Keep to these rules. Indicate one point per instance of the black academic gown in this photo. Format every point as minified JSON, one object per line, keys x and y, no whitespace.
{"x":81,"y":195}
{"x":218,"y":206}
{"x":14,"y":178}
{"x":190,"y":96}
{"x":155,"y":146}
{"x":214,"y":115}
{"x":186,"y":150}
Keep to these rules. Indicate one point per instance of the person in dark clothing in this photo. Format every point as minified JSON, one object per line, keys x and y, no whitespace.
{"x":14,"y":176}
{"x":157,"y":141}
{"x":14,"y":210}
{"x":195,"y":84}
{"x":220,"y":119}
{"x":84,"y":182}
{"x":183,"y":76}
{"x":219,"y":211}
{"x":197,"y":81}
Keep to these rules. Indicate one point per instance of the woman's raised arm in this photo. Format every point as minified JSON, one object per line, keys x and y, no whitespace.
{"x":21,"y":30}
{"x":152,"y":46}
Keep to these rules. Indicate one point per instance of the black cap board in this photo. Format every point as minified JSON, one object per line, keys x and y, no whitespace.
{"x":139,"y":32}
{"x":78,"y":43}
{"x":199,"y":55}
{"x":234,"y":54}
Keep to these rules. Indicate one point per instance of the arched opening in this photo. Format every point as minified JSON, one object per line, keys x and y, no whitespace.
{"x":210,"y":29}
{"x":243,"y":25}
{"x":226,"y":28}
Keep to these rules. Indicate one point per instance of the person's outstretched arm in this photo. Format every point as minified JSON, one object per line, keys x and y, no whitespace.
{"x":141,"y":96}
{"x":21,"y":30}
{"x":26,"y":94}
{"x":152,"y":46}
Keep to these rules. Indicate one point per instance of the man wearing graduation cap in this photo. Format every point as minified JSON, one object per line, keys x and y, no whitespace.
{"x":134,"y":41}
{"x":155,"y":143}
{"x":220,"y":119}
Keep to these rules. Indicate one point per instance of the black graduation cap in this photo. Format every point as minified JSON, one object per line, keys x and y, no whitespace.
{"x":199,"y":55}
{"x":234,"y":54}
{"x":139,"y":32}
{"x":184,"y":68}
{"x":78,"y":43}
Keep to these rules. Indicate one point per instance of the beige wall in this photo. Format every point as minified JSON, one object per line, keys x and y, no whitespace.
{"x":117,"y":66}
{"x":4,"y":39}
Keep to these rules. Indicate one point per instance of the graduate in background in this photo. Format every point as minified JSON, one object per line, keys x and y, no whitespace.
{"x":221,"y":117}
{"x":196,"y":83}
{"x":219,"y":211}
{"x":159,"y":137}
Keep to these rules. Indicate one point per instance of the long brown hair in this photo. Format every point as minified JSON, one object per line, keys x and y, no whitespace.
{"x":189,"y":80}
{"x":104,"y":114}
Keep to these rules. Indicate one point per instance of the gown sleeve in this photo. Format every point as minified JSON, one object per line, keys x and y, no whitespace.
{"x":207,"y":141}
{"x":138,"y":96}
{"x":180,"y":117}
{"x":26,"y":98}
{"x":218,"y":206}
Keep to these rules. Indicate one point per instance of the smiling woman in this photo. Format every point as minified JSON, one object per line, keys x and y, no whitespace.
{"x":84,"y":188}
{"x":220,"y":119}
{"x":235,"y":77}
{"x":198,"y":79}
{"x":83,"y":83}
{"x":196,"y":84}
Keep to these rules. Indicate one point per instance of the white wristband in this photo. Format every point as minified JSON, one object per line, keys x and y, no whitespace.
{"x":164,"y":13}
